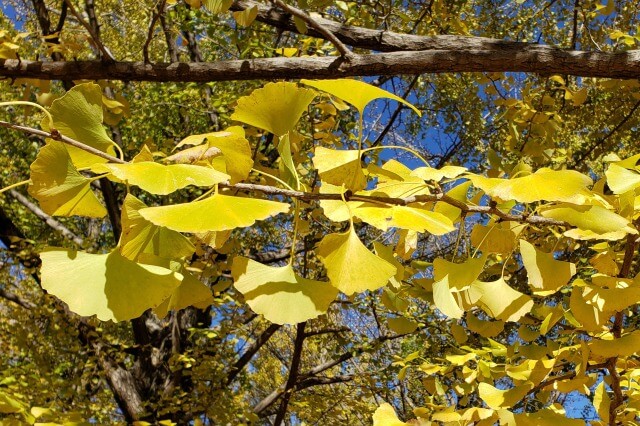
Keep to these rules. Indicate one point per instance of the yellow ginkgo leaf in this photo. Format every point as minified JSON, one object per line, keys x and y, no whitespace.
{"x":236,"y":156}
{"x":621,"y":180}
{"x":279,"y":294}
{"x":602,"y":401}
{"x":386,"y":253}
{"x":498,"y":398}
{"x":546,"y":275}
{"x":59,"y":187}
{"x":216,"y":213}
{"x":501,"y":301}
{"x":591,"y":222}
{"x":624,"y":346}
{"x":276,"y":107}
{"x":109,"y":286}
{"x":351,"y":267}
{"x":401,"y":325}
{"x":461,"y":275}
{"x":141,"y":236}
{"x":416,"y":217}
{"x":459,"y":193}
{"x":444,"y":300}
{"x":494,"y":238}
{"x":245,"y":17}
{"x":385,"y":415}
{"x":340,"y":167}
{"x":356,"y":92}
{"x":78,"y":115}
{"x":190,"y":291}
{"x":429,"y":173}
{"x":163,"y":179}
{"x":543,"y":185}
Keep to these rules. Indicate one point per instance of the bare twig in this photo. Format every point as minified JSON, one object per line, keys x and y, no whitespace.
{"x":106,"y":54}
{"x":344,"y":50}
{"x":157,"y":12}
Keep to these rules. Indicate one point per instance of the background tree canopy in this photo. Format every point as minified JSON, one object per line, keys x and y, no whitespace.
{"x":207,"y":220}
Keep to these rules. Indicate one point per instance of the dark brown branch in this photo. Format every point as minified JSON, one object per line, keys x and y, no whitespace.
{"x":17,"y":299}
{"x":251,"y":351}
{"x":157,"y":12}
{"x":395,"y":114}
{"x":313,"y":23}
{"x":502,"y":57}
{"x":296,"y":357}
{"x":51,"y":222}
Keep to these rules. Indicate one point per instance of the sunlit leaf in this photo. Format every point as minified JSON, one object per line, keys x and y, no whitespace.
{"x":216,"y":213}
{"x":621,"y":180}
{"x":59,"y":187}
{"x":190,"y":291}
{"x":356,"y":92}
{"x":276,"y":107}
{"x":164,"y":179}
{"x":501,"y":301}
{"x":141,"y":236}
{"x":340,"y":167}
{"x":236,"y":152}
{"x":245,"y":17}
{"x":417,"y":218}
{"x":498,"y":398}
{"x":106,"y":285}
{"x":385,"y":415}
{"x":386,"y":253}
{"x":351,"y":267}
{"x":279,"y":294}
{"x":78,"y":115}
{"x":430,"y":173}
{"x":444,"y":300}
{"x":591,"y":222}
{"x":461,"y":275}
{"x":546,"y":275}
{"x":543,"y":185}
{"x":494,"y":238}
{"x":624,"y":346}
{"x":602,"y":401}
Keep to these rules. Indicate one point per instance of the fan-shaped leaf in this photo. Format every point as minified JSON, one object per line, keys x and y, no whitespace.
{"x":340,"y":167}
{"x":164,"y":179}
{"x":279,"y":294}
{"x":190,"y":291}
{"x":386,"y":416}
{"x":216,"y":213}
{"x":141,"y":236}
{"x":276,"y":107}
{"x":592,"y":222}
{"x":78,"y":115}
{"x":497,"y":398}
{"x":58,"y":186}
{"x":351,"y":267}
{"x":106,"y":285}
{"x":501,"y":301}
{"x":546,"y":274}
{"x":356,"y":92}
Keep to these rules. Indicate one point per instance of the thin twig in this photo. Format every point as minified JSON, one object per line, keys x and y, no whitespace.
{"x":157,"y":12}
{"x":55,"y":135}
{"x":106,"y":54}
{"x":344,"y":50}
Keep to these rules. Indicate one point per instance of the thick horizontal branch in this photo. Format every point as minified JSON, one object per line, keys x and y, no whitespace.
{"x":309,"y":196}
{"x":531,"y":58}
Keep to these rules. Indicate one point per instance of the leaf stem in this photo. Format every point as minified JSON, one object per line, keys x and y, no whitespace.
{"x":15,"y":185}
{"x":294,"y":239}
{"x":286,"y":185}
{"x":31,"y":104}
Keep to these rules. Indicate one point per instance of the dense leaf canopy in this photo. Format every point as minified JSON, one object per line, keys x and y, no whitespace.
{"x":205,"y":219}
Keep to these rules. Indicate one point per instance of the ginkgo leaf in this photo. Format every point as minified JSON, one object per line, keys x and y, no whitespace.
{"x":163,"y":179}
{"x":279,"y":294}
{"x":190,"y":291}
{"x":351,"y":267}
{"x":216,"y":213}
{"x":236,"y":151}
{"x":501,"y":301}
{"x":591,"y":222}
{"x":276,"y":107}
{"x":461,"y":275}
{"x":78,"y":115}
{"x":401,"y":325}
{"x":245,"y":17}
{"x":386,"y":253}
{"x":356,"y":92}
{"x":499,"y":398}
{"x":141,"y":236}
{"x":590,"y":317}
{"x":544,"y":417}
{"x":288,"y":170}
{"x":484,"y":328}
{"x":109,"y":286}
{"x":494,"y":238}
{"x":417,"y":217}
{"x":217,"y":6}
{"x":443,"y":299}
{"x":543,"y":185}
{"x":59,"y":187}
{"x":459,"y":193}
{"x":545,"y":274}
{"x":340,"y":167}
{"x":621,"y":180}
{"x":430,"y":173}
{"x":624,"y":346}
{"x":385,"y":415}
{"x":601,"y":401}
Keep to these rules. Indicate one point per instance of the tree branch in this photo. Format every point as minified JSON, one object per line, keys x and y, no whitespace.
{"x":251,"y":351}
{"x":502,"y":57}
{"x":313,"y":23}
{"x":296,"y":357}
